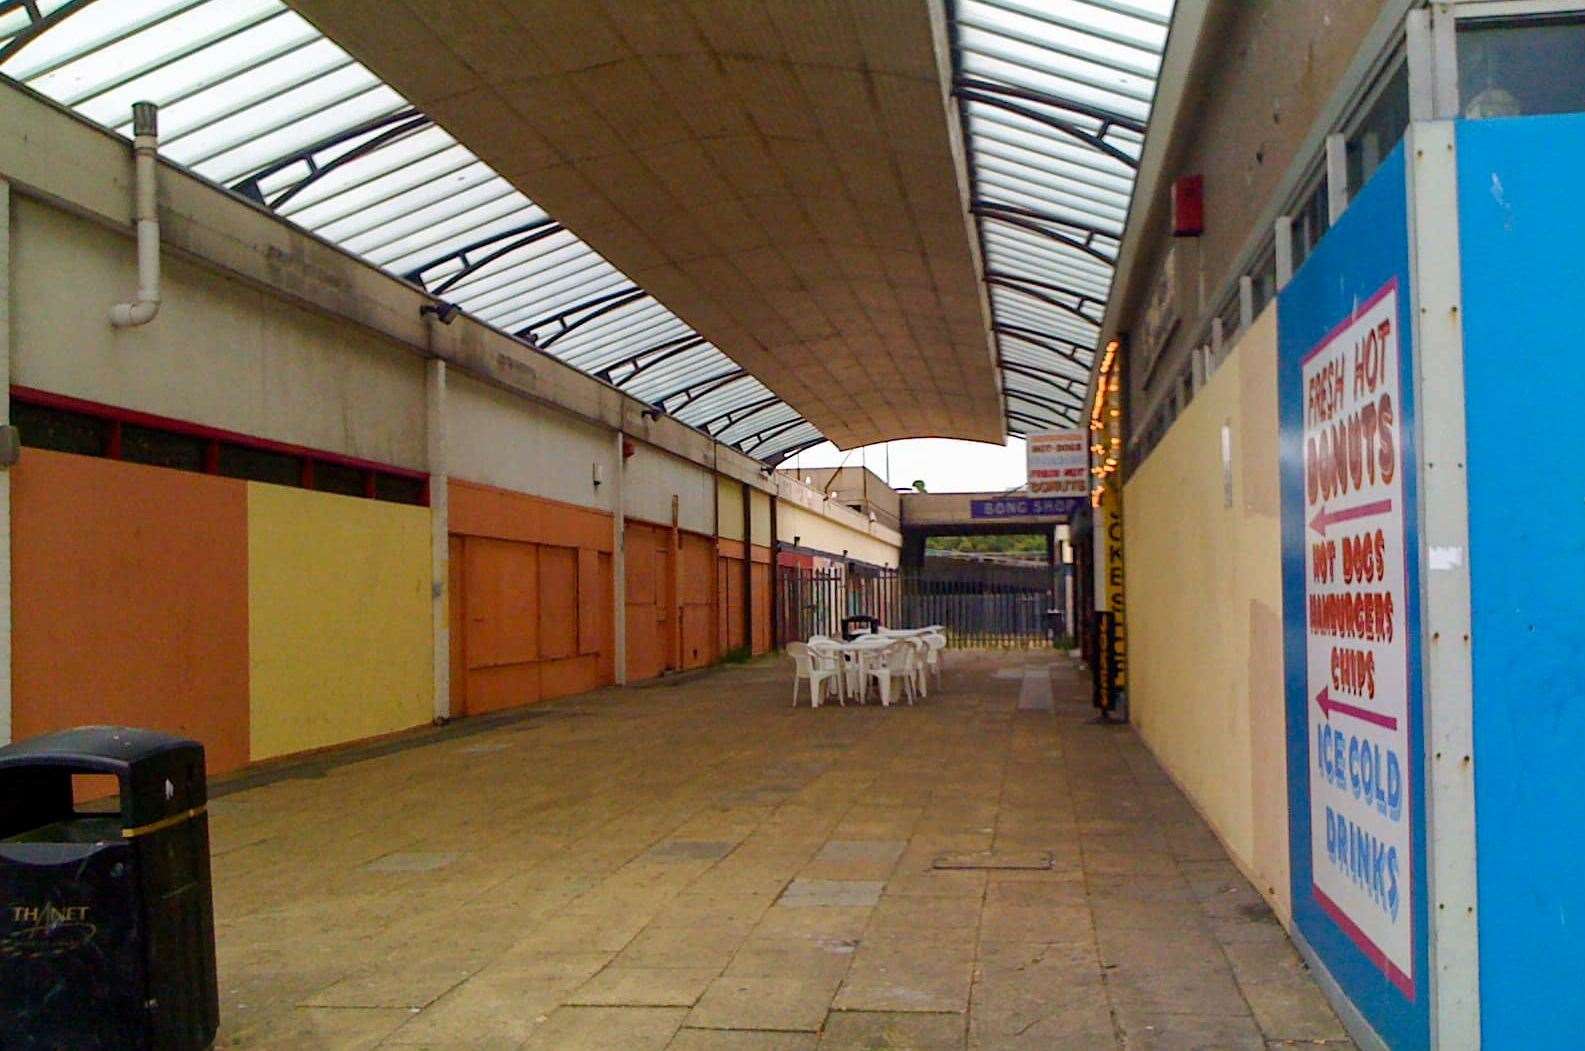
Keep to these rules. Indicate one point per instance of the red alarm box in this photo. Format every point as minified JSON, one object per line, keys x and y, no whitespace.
{"x":1188,"y":206}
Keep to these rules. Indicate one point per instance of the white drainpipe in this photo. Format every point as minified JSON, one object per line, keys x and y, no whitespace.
{"x":145,"y":144}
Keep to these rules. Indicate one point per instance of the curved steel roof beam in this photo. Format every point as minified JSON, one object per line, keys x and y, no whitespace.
{"x":700,"y":389}
{"x":793,"y":442}
{"x":777,"y":458}
{"x":668,"y":351}
{"x":597,"y":306}
{"x":1106,"y":117}
{"x":395,"y":126}
{"x":1045,"y":403}
{"x":1014,"y":285}
{"x":762,"y":437}
{"x":985,"y":210}
{"x":38,"y":26}
{"x":1066,"y":348}
{"x":769,"y":419}
{"x":517,"y":237}
{"x":1024,"y":417}
{"x":1072,"y":130}
{"x":1051,"y":380}
{"x":1079,"y":25}
{"x":735,"y":416}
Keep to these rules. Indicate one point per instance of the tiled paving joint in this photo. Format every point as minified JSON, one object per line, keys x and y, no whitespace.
{"x":1017,"y":860}
{"x":717,"y":872}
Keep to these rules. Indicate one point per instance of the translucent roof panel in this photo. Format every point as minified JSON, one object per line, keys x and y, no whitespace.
{"x":1054,"y":96}
{"x":255,"y":99}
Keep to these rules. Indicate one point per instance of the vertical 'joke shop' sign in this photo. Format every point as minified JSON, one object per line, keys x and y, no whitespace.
{"x":1356,"y":584}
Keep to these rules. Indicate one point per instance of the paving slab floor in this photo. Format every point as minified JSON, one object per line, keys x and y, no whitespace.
{"x":700,"y":867}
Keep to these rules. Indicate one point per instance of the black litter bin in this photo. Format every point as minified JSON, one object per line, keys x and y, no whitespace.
{"x":859,"y":624}
{"x":107,"y":935}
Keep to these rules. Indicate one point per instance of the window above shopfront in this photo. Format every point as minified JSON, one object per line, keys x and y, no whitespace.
{"x":1521,"y":66}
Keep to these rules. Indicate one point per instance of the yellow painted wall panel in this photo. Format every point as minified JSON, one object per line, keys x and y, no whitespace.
{"x":339,"y":620}
{"x":729,"y":508}
{"x":759,"y":517}
{"x":1204,"y":609}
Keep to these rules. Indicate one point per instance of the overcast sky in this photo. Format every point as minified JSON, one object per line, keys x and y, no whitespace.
{"x":946,"y":466}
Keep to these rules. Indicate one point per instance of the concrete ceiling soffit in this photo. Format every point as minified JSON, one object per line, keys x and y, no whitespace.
{"x":781,"y":174}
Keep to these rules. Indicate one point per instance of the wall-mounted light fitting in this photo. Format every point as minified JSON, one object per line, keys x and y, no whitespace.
{"x":442,"y":311}
{"x":599,"y":474}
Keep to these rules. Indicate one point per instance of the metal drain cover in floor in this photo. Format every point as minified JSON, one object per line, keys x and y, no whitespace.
{"x":994,"y":859}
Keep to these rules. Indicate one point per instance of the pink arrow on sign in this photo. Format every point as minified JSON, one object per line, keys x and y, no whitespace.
{"x":1328,"y":706}
{"x":1325,"y":519}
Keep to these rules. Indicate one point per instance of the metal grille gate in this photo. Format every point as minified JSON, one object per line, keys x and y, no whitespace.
{"x":979,"y":605}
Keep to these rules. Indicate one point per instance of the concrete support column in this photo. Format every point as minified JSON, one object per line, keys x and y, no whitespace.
{"x":775,"y":578}
{"x":439,"y":536}
{"x":1450,"y":757}
{"x":1432,"y":46}
{"x":619,"y":563}
{"x":1336,"y":177}
{"x":748,"y":567}
{"x":5,"y":474}
{"x":1283,"y":239}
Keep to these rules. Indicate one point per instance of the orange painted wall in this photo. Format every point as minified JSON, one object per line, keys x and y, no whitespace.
{"x":651,"y":600}
{"x":760,"y":581}
{"x":530,"y":601}
{"x":729,"y":594}
{"x":696,"y":584}
{"x":130,"y":600}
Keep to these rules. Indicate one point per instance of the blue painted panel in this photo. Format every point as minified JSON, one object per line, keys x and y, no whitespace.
{"x":1522,"y":225}
{"x":1359,"y":259}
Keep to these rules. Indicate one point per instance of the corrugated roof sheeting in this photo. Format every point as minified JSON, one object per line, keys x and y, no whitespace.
{"x":1054,"y":96}
{"x":254,"y":98}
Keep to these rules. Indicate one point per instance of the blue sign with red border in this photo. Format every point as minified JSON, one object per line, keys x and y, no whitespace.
{"x":1351,"y":611}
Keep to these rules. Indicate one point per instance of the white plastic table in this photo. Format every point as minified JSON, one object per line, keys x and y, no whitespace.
{"x":860,"y":650}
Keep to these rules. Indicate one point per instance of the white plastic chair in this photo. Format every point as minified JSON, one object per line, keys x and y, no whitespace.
{"x":862,"y":656}
{"x":812,"y":667}
{"x":921,"y":664}
{"x":935,"y":654}
{"x":826,"y":653}
{"x":893,"y":665}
